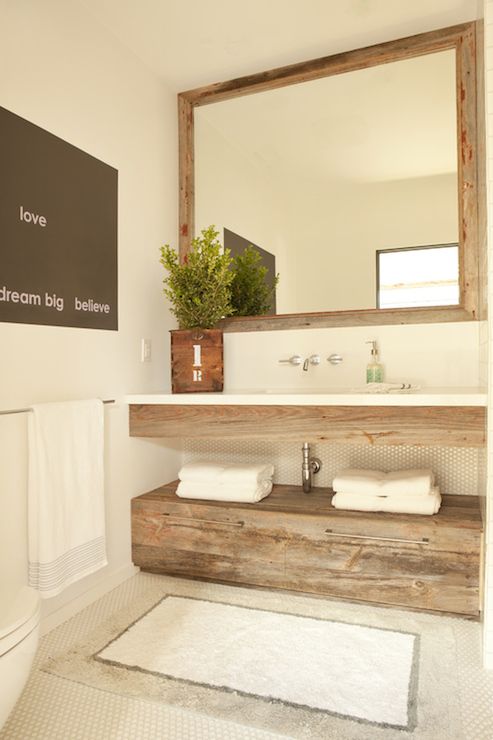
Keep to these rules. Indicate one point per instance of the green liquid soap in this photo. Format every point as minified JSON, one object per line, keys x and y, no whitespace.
{"x":374,"y":373}
{"x":374,"y":370}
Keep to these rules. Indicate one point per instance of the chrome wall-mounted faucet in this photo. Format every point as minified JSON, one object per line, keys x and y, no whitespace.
{"x":298,"y":360}
{"x":309,"y":467}
{"x":312,"y":360}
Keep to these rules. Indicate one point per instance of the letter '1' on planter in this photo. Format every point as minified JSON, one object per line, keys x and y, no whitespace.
{"x":196,"y":360}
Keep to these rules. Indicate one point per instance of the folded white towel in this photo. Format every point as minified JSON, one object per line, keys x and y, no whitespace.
{"x":249,"y":494}
{"x":243,"y":474}
{"x":200,"y":471}
{"x":246,"y":474}
{"x":65,"y":494}
{"x":428,"y":505}
{"x":355,"y":480}
{"x":416,"y":482}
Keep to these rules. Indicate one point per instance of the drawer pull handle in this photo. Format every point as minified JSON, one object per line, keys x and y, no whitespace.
{"x":204,"y":521}
{"x":423,"y":541}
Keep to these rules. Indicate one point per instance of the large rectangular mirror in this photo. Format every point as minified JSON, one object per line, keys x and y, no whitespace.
{"x":340,"y":167}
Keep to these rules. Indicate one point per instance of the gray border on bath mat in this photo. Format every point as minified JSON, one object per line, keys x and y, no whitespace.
{"x":413,"y":676}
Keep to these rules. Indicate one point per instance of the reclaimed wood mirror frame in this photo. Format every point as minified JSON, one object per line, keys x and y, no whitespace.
{"x":466,"y":40}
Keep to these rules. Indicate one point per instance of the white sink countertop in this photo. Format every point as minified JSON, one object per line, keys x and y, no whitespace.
{"x":308,"y":397}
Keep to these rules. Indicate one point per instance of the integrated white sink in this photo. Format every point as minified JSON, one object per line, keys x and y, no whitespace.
{"x":318,"y":397}
{"x":329,"y":391}
{"x":308,"y":391}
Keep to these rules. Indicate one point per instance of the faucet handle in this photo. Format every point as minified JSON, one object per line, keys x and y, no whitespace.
{"x":334,"y":359}
{"x":293,"y":360}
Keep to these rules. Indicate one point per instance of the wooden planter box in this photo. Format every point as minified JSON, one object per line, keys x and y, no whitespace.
{"x":196,"y":360}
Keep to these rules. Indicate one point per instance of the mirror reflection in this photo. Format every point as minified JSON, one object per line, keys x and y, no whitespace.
{"x":327,"y":175}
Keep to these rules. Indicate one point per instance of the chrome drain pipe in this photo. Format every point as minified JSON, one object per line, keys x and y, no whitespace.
{"x":309,"y":467}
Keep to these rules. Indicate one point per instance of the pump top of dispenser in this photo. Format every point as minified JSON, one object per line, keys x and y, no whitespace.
{"x":374,"y":348}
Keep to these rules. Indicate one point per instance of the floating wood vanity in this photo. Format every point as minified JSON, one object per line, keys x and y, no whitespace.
{"x":299,"y":541}
{"x":449,"y":419}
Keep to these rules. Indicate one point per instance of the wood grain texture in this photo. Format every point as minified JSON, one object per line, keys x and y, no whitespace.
{"x":467,"y":171}
{"x":376,"y":425}
{"x":313,"y":69}
{"x":186,"y":176}
{"x":186,"y":377}
{"x":462,"y":38}
{"x":481,"y":174}
{"x":283,"y":542}
{"x":456,"y":511}
{"x":360,"y":317}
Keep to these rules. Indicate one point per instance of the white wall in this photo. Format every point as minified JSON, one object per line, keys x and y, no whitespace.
{"x":61,"y":71}
{"x":431,"y":355}
{"x":334,"y":232}
{"x":324,"y":234}
{"x":236,"y":192}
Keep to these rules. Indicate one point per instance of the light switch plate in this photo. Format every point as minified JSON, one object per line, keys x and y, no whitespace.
{"x":146,"y":350}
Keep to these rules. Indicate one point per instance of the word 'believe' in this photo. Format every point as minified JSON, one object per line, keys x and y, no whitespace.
{"x":33,"y":218}
{"x":91,"y":306}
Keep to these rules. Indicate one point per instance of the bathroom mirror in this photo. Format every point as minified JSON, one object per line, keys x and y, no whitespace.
{"x":329,"y":163}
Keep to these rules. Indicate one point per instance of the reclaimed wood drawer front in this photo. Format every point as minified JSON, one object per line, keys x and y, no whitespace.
{"x":300,"y":542}
{"x":288,"y":513}
{"x":390,"y":573}
{"x":220,"y":548}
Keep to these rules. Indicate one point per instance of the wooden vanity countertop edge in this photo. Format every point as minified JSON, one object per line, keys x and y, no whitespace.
{"x":461,"y":511}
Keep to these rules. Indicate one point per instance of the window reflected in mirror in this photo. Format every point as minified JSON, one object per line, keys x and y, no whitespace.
{"x":418,"y":276}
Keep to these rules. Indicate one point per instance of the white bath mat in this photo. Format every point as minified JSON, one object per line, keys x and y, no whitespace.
{"x":433,"y":700}
{"x":353,"y":671}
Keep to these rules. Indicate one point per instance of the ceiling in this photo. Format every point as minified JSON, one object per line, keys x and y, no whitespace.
{"x":189,"y":43}
{"x":395,"y":121}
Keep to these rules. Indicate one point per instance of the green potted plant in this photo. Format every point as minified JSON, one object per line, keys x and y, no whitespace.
{"x":200,"y":295}
{"x":251,"y":294}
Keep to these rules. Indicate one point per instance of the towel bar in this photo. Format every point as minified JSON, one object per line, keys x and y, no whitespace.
{"x":25,"y":411}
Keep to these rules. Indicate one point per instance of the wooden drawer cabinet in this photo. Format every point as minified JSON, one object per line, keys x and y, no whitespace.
{"x":300,"y":542}
{"x":197,"y":540}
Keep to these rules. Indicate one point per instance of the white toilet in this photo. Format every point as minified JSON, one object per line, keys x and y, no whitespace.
{"x":19,"y":632}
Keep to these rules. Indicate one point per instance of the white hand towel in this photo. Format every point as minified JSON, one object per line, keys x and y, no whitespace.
{"x":428,"y":505}
{"x":243,"y":474}
{"x":225,"y":492}
{"x":354,"y":480}
{"x":65,"y":494}
{"x":416,"y":482}
{"x":247,"y":474}
{"x":387,"y":388}
{"x":200,"y":471}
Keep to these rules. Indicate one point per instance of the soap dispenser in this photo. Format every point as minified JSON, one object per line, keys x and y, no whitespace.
{"x":374,"y":370}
